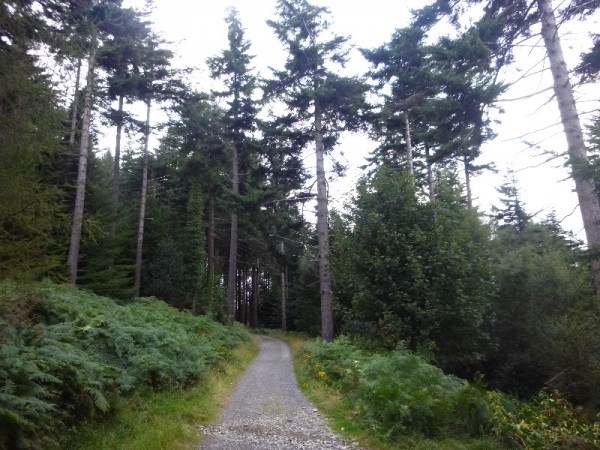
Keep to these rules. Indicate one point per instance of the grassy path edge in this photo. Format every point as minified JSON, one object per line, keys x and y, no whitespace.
{"x":170,"y":419}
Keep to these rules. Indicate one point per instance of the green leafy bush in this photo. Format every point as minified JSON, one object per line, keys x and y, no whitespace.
{"x":548,"y":421}
{"x":66,"y":356}
{"x":398,"y":393}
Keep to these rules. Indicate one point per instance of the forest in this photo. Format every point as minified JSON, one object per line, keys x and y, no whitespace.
{"x":217,"y":220}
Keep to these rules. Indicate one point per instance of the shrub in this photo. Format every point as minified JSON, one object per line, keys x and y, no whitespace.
{"x":399,"y":393}
{"x":548,"y":421}
{"x":67,"y":355}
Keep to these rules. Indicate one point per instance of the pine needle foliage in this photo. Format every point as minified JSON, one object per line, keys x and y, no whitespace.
{"x":67,"y":356}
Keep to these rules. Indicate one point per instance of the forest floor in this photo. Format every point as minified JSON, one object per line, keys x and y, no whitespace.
{"x":267,"y":410}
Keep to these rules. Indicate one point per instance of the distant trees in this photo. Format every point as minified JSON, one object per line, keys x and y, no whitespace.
{"x":542,"y":323}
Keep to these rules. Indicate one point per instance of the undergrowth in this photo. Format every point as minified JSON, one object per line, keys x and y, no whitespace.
{"x":168,"y":419}
{"x":68,"y":357}
{"x":407,"y":403}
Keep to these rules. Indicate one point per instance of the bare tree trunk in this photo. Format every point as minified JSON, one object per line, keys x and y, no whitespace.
{"x":243,"y":296}
{"x":233,"y":242}
{"x":430,"y":178}
{"x":255,"y":295}
{"x":468,"y":181}
{"x":73,"y":258}
{"x":584,"y":185}
{"x":142,"y":217}
{"x":283,"y":295}
{"x":409,"y":150}
{"x":211,"y":254}
{"x":117,"y":168}
{"x":323,"y":232}
{"x":75,"y":105}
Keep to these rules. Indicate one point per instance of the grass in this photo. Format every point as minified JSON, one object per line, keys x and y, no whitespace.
{"x":169,"y":420}
{"x":342,"y":413}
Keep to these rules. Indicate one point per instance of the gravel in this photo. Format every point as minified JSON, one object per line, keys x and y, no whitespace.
{"x":267,"y":411}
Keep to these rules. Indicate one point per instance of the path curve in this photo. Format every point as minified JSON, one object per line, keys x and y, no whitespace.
{"x":267,"y":411}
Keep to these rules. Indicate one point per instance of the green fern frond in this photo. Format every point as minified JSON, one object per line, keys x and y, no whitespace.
{"x":98,"y":397}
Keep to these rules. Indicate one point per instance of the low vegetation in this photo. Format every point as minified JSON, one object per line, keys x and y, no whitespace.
{"x":396,"y":399}
{"x":68,"y":357}
{"x":168,"y":419}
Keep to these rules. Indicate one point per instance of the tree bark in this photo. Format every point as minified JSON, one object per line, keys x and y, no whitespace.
{"x":323,"y":231}
{"x":255,"y":294}
{"x":584,"y":185}
{"x":233,"y":241}
{"x":211,"y":254}
{"x":468,"y":181}
{"x":409,"y":150}
{"x":75,"y":242}
{"x":142,"y":217}
{"x":283,"y":295}
{"x":117,"y":168}
{"x":75,"y":105}
{"x":430,"y":178}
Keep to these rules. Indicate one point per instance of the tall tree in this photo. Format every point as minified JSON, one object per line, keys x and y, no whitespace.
{"x":321,"y":105}
{"x":153,"y":74}
{"x":233,"y":66}
{"x":193,"y":148}
{"x":78,"y":210}
{"x":121,"y":57}
{"x":517,"y":19}
{"x":444,"y":89}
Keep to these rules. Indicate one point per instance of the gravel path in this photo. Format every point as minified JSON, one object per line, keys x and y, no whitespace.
{"x":267,"y":411}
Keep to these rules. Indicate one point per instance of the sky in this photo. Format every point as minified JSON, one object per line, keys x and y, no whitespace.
{"x":526,"y":131}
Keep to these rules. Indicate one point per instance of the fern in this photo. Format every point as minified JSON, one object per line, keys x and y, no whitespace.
{"x":100,"y":401}
{"x":79,"y":352}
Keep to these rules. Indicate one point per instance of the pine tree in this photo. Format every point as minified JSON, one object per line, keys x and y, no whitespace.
{"x":320,"y":103}
{"x":439,"y":96}
{"x":512,"y":214}
{"x":122,"y":57}
{"x":153,"y":74}
{"x":233,"y":67}
{"x":517,"y":19}
{"x":32,"y":215}
{"x":78,"y":210}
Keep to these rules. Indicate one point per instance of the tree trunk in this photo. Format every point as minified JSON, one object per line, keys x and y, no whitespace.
{"x":233,"y":242}
{"x":323,"y":232}
{"x":117,"y":168}
{"x":73,"y":258}
{"x":430,"y":178}
{"x":283,"y":294}
{"x":142,"y":217}
{"x":584,"y":185}
{"x":283,"y":301}
{"x":210,"y":285}
{"x":468,"y":181}
{"x":409,"y":150}
{"x":75,"y":105}
{"x":255,"y":295}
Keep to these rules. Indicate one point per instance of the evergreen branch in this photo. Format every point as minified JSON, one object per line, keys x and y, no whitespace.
{"x":525,"y":96}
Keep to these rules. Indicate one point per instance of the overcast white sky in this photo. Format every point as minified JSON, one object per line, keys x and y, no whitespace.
{"x":199,"y":31}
